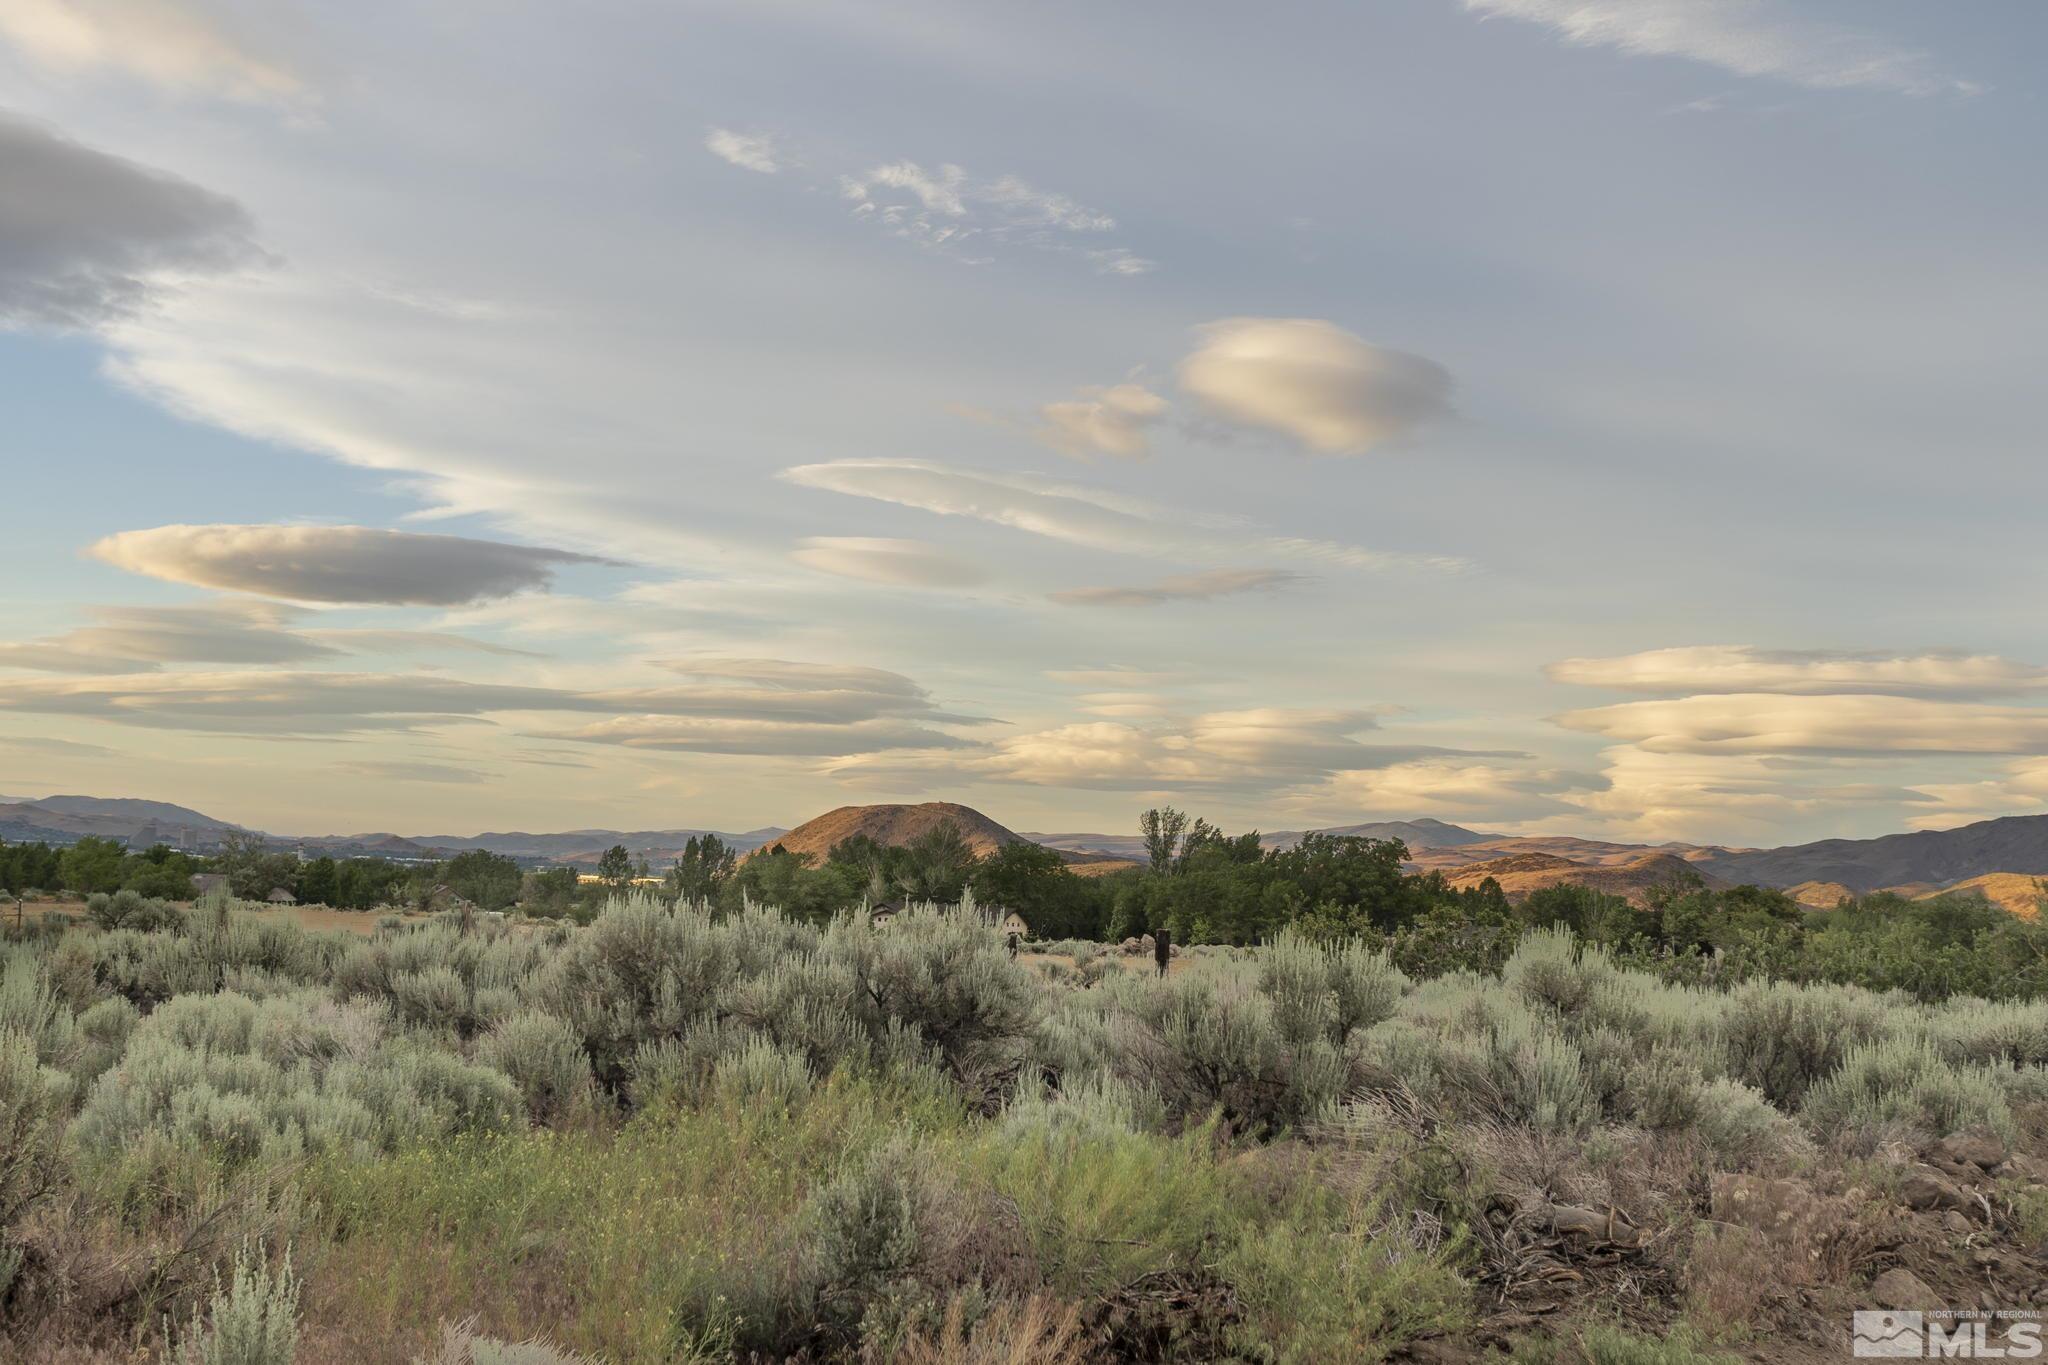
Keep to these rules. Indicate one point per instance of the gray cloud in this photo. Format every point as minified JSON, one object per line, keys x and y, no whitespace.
{"x":1194,"y":587}
{"x":764,"y":706}
{"x":87,"y":238}
{"x":337,"y":563}
{"x":709,"y":735}
{"x":138,"y":639}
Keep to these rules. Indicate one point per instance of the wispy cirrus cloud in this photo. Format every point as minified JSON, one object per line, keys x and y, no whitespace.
{"x":1760,"y":38}
{"x":186,"y":46}
{"x":1743,"y":668}
{"x":876,"y":559}
{"x":1256,"y":750}
{"x":1194,"y":587}
{"x":1777,"y":723}
{"x":1082,"y":516}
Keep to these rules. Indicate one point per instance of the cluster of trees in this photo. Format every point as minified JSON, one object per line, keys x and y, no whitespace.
{"x":97,"y":865}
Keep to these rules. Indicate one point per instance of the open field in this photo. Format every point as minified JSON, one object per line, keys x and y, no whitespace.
{"x":674,"y":1136}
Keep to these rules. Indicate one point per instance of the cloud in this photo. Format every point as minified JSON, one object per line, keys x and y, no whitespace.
{"x":274,"y":703}
{"x":948,"y":210}
{"x":359,"y":640}
{"x":749,"y":151}
{"x":137,"y":639}
{"x":1768,"y":723}
{"x":87,"y":238}
{"x":729,"y":700}
{"x":399,"y":770}
{"x":1106,"y":421}
{"x":1115,"y":260}
{"x":1661,"y":795}
{"x":1747,"y":37}
{"x":170,"y":43}
{"x":787,"y":739}
{"x":1194,"y":587}
{"x":1248,"y":751}
{"x":1313,"y":381}
{"x":1079,"y":516}
{"x":906,"y":563}
{"x":1742,"y":668}
{"x":337,"y":563}
{"x":1452,"y":789}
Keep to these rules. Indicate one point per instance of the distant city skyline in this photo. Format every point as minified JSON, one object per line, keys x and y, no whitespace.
{"x":1616,"y":417}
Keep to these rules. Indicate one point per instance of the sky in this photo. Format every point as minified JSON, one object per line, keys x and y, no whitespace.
{"x":1607,"y":417}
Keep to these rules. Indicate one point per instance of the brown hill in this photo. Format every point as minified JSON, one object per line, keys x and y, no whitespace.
{"x":893,"y":825}
{"x":1521,"y":873}
{"x":1598,"y":852}
{"x":2016,"y":892}
{"x":1819,"y":895}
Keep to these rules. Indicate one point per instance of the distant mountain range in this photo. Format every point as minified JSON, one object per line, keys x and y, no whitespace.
{"x":2001,"y":858}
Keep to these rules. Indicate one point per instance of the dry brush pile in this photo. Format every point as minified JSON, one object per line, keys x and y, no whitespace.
{"x":674,"y":1136}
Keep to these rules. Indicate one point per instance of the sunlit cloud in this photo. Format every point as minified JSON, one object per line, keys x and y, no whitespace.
{"x":1103,"y":421}
{"x":179,"y":45}
{"x":1741,"y":668}
{"x":873,"y":559}
{"x":1311,"y":380}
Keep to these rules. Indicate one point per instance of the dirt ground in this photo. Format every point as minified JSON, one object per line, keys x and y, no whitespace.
{"x":1131,"y":962}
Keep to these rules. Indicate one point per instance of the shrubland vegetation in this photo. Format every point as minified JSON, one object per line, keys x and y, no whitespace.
{"x":1201,"y":885}
{"x":687,"y":1131}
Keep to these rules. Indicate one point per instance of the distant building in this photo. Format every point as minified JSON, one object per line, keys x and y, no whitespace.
{"x":206,"y":883}
{"x":1013,"y":923}
{"x":881,"y":914}
{"x":279,"y":896}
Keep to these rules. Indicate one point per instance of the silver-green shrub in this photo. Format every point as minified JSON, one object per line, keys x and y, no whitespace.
{"x":544,"y":1058}
{"x":251,"y":1320}
{"x":1899,"y":1085}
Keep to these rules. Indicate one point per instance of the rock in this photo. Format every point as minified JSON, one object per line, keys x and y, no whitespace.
{"x":1980,"y":1150}
{"x":1928,"y":1190}
{"x":1900,"y":1288}
{"x":1955,"y":1223}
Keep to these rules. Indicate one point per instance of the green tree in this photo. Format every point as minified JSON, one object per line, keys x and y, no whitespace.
{"x":615,"y":867}
{"x":1162,"y":827}
{"x":91,"y":864}
{"x":701,"y":871}
{"x":936,"y":864}
{"x":483,"y":878}
{"x":320,"y":882}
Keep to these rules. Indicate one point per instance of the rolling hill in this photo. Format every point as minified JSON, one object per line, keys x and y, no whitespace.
{"x":2015,"y":844}
{"x":1521,"y":873}
{"x":893,"y":825}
